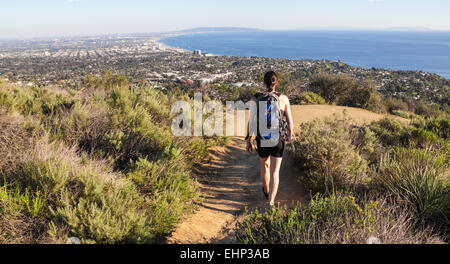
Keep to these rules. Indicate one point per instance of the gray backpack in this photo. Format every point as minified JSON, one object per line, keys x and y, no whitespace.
{"x":271,"y":99}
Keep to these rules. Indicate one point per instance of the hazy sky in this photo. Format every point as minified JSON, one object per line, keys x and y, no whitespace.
{"x":42,"y":18}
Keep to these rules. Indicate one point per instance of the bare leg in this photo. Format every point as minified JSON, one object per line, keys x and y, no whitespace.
{"x":265,"y":173}
{"x":275,"y":164}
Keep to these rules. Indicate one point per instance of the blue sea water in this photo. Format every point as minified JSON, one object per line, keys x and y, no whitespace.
{"x":427,"y":51}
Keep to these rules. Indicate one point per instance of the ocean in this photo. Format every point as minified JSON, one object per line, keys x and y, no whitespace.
{"x":427,"y":51}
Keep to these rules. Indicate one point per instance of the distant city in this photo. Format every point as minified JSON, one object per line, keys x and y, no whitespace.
{"x":140,"y":57}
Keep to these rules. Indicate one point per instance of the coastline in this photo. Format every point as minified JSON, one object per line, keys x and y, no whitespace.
{"x":159,"y":39}
{"x":177,"y":34}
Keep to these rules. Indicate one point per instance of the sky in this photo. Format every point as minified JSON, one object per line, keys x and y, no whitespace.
{"x":51,"y":18}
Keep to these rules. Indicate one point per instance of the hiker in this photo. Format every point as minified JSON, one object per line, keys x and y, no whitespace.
{"x":270,"y":145}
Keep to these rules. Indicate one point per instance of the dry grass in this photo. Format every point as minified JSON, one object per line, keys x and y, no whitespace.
{"x":396,"y":226}
{"x":14,"y":141}
{"x":15,"y":146}
{"x":335,"y":220}
{"x":22,"y":229}
{"x":307,"y":113}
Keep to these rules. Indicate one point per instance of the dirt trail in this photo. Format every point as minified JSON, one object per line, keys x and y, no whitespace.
{"x":228,"y":183}
{"x":231,"y":181}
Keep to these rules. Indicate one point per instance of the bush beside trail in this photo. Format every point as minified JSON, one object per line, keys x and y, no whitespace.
{"x":335,"y":219}
{"x":329,"y":154}
{"x":403,"y":166}
{"x":306,"y":98}
{"x":99,"y":164}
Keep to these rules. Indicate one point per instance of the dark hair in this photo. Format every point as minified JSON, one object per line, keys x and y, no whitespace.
{"x":270,"y":78}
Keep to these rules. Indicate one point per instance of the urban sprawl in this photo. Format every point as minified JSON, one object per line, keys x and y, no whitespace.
{"x":143,"y":59}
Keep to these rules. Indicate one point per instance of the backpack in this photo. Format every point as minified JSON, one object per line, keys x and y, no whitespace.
{"x":271,"y":99}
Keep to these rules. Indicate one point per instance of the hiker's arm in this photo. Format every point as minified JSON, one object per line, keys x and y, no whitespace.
{"x":249,"y":136}
{"x":251,"y":116}
{"x":249,"y":146}
{"x":290,"y":121}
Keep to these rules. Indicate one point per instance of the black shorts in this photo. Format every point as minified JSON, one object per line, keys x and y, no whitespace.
{"x":276,"y":151}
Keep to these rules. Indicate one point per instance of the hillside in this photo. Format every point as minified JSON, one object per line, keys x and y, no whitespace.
{"x":98,"y":164}
{"x":101,"y":164}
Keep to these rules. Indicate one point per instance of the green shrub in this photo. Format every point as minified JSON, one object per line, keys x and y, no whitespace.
{"x":439,"y":126}
{"x":7,"y":101}
{"x":56,"y":102}
{"x":420,"y":132}
{"x":22,"y":217}
{"x":325,"y":151}
{"x":367,"y":144}
{"x":156,"y":103}
{"x":134,"y":136}
{"x":107,"y":81}
{"x":43,"y":103}
{"x":394,"y":104}
{"x":309,"y":98}
{"x":391,"y":132}
{"x":418,"y":177}
{"x":347,"y":91}
{"x":359,"y":94}
{"x":27,"y":102}
{"x":428,"y":110}
{"x":404,"y":114}
{"x":15,"y":202}
{"x":336,"y":219}
{"x":69,"y":125}
{"x":375,"y":104}
{"x":422,"y":137}
{"x":155,"y":177}
{"x":332,"y":88}
{"x":86,"y":198}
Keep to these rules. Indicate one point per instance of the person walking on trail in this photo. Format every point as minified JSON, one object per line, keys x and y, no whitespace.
{"x":272,"y":127}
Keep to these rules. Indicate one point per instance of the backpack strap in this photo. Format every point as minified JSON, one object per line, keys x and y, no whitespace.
{"x":277,"y":96}
{"x":259,"y":96}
